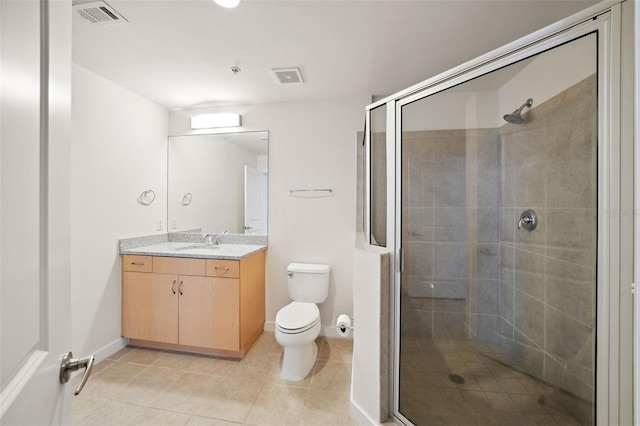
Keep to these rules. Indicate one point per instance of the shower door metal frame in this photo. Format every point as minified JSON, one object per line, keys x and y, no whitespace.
{"x":615,"y":253}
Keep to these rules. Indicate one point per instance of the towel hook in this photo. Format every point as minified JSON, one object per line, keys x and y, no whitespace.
{"x":186,"y":199}
{"x":147,"y":197}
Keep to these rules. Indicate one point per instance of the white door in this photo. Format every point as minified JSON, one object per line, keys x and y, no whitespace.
{"x":255,"y":201}
{"x":34,"y":203}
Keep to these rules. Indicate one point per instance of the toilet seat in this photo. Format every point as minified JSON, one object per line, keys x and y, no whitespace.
{"x":297,"y":317}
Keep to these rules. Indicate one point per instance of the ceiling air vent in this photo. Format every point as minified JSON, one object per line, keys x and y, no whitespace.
{"x":287,"y":75}
{"x":99,"y":13}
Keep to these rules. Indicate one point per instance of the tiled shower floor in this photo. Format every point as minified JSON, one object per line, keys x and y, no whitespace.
{"x":139,"y":387}
{"x":492,"y":393}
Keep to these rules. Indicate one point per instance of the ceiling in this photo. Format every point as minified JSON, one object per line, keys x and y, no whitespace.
{"x":179,"y":53}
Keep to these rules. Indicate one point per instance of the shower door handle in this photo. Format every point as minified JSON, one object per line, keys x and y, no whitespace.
{"x":401,"y":257}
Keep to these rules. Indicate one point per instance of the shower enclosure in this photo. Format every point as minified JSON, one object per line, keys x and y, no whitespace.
{"x":495,"y":206}
{"x":496,"y":313}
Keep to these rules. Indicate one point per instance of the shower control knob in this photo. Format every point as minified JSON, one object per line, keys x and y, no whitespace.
{"x":528,"y":220}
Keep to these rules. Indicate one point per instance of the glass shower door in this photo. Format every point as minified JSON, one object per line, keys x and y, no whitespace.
{"x":499,"y":233}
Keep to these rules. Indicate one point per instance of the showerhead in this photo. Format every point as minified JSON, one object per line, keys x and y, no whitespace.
{"x":516,"y":116}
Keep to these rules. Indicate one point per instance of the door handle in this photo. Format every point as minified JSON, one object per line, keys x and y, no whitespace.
{"x":69,"y":365}
{"x":180,"y":288}
{"x":173,"y":287}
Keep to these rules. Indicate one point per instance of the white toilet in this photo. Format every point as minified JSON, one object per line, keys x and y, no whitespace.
{"x":298,"y":323}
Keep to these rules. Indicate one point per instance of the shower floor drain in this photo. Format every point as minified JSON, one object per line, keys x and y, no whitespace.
{"x":455,"y":378}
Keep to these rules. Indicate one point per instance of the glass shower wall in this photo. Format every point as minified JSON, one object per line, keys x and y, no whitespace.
{"x":378,"y":175}
{"x":548,"y":278}
{"x":497,"y":321}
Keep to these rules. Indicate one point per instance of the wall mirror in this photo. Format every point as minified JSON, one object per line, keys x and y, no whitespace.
{"x":218,"y":182}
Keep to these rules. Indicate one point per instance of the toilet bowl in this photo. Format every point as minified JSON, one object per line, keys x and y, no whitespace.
{"x":298,"y":324}
{"x":297,"y":327}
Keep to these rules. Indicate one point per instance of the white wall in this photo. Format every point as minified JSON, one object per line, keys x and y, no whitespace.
{"x":370,"y":379}
{"x":311,"y":145}
{"x":452,"y":110}
{"x":118,"y":150}
{"x":482,"y":105}
{"x":549,"y":74}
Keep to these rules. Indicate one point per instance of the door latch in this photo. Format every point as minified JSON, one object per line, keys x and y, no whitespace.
{"x":69,"y":365}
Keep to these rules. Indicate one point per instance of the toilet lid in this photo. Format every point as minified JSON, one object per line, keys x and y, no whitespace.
{"x":297,"y":315}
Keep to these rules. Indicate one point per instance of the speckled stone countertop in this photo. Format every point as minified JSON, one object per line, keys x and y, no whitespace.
{"x":233,"y":247}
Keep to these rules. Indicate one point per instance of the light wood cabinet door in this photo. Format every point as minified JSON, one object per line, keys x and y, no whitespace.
{"x":208,"y":312}
{"x":252,"y":311}
{"x":150,"y":307}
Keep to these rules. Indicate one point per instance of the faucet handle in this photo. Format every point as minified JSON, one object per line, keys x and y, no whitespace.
{"x":528,"y":220}
{"x":209,"y":238}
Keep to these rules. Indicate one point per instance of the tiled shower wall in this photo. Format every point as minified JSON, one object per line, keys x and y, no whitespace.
{"x":379,"y":188}
{"x":483,"y":248}
{"x":378,"y":216}
{"x":548,"y":276}
{"x":450,"y":231}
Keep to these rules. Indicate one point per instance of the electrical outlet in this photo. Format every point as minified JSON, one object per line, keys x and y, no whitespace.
{"x":160,"y":224}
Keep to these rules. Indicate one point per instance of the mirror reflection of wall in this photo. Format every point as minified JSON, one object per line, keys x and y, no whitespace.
{"x":218,"y":182}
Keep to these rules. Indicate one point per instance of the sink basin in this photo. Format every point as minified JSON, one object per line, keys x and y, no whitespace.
{"x":199,"y":247}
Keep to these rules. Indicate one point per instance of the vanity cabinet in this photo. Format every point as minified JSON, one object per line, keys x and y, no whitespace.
{"x":150,"y":307}
{"x":213,"y":306}
{"x":208,"y":313}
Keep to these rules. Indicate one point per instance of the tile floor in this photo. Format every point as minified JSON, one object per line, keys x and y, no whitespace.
{"x":140,"y":386}
{"x":493,"y":393}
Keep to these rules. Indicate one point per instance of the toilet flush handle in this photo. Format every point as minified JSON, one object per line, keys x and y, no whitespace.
{"x":290,"y":273}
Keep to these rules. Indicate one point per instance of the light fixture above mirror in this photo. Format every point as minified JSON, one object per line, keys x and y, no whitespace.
{"x":229,"y":4}
{"x":217,"y":120}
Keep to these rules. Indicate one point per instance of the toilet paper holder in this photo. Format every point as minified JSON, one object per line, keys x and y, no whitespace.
{"x":344,"y":324}
{"x":350,"y":327}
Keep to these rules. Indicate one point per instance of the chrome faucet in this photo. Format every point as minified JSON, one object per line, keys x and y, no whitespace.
{"x":217,"y":237}
{"x":210,"y":239}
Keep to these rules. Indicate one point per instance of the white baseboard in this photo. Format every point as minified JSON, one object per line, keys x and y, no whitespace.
{"x":110,"y":349}
{"x":105,"y":352}
{"x":326,"y":330}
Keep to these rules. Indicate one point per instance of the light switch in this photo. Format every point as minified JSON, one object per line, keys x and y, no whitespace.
{"x":160,"y":224}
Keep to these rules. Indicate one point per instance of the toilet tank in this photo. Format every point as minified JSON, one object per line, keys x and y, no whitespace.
{"x":308,"y":282}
